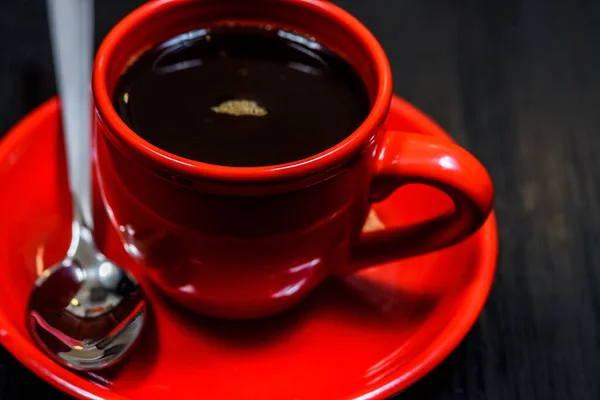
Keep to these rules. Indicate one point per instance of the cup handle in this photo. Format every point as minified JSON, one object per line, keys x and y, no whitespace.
{"x":405,"y":158}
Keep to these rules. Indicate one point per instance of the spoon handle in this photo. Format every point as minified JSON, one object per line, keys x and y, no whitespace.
{"x":71,"y":25}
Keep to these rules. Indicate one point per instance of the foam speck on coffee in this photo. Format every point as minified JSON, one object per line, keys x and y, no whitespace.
{"x":240,"y":108}
{"x":241,"y":96}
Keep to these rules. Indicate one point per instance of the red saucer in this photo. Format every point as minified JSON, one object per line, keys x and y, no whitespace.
{"x":368,"y":336}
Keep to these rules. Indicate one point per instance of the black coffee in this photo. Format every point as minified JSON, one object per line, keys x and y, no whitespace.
{"x":241,"y":96}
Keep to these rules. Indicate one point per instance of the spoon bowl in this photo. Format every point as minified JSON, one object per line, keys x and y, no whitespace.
{"x":86,"y":312}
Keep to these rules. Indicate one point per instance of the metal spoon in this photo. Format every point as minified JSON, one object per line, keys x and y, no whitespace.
{"x":85,"y":312}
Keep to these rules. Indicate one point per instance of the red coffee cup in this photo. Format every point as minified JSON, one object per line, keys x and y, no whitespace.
{"x":238,"y":242}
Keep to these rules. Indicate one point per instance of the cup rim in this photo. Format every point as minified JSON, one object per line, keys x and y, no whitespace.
{"x":325,"y":160}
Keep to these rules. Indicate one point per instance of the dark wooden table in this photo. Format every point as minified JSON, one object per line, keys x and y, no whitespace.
{"x":517,"y":82}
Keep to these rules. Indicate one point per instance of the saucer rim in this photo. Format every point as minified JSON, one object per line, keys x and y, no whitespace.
{"x":446,"y":341}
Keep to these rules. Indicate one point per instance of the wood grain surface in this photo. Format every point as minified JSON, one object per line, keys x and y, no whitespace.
{"x":518,"y":84}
